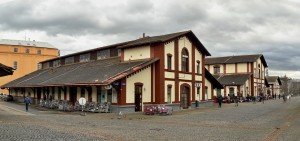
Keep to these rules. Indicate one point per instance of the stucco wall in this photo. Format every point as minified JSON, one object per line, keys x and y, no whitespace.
{"x":230,"y":68}
{"x":169,"y":49}
{"x":242,"y":68}
{"x":169,"y":75}
{"x":198,"y":56}
{"x":185,"y":76}
{"x":137,"y":53}
{"x":209,"y":87}
{"x":142,"y":77}
{"x":172,"y":90}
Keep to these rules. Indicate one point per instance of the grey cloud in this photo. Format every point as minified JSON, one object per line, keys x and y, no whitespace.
{"x":241,"y":27}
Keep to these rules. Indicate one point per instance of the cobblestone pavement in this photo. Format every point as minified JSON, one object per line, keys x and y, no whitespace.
{"x":271,"y":121}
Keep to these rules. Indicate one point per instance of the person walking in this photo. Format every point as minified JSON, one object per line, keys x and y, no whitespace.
{"x":220,"y":100}
{"x":253,"y":99}
{"x":236,"y":101}
{"x":27,"y":102}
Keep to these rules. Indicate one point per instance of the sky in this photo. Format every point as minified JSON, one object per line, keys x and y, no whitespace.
{"x":225,"y":27}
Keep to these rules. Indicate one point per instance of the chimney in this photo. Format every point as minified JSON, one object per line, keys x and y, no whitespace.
{"x":144,"y":35}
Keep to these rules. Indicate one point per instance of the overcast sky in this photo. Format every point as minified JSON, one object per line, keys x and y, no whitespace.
{"x":225,"y":27}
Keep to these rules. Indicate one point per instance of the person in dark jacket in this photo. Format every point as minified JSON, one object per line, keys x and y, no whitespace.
{"x":236,"y":101}
{"x":27,"y":102}
{"x":220,"y":100}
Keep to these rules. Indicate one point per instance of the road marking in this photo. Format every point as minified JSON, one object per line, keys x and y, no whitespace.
{"x":14,"y":111}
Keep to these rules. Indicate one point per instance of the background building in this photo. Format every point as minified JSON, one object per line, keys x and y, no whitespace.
{"x":240,"y":75}
{"x":24,"y":57}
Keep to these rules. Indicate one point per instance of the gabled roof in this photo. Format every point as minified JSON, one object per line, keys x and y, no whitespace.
{"x":166,"y":38}
{"x":25,"y":43}
{"x":145,"y":41}
{"x":5,"y":70}
{"x":99,"y":72}
{"x":273,"y":79}
{"x":213,"y":80}
{"x":232,"y":79}
{"x":235,"y":59}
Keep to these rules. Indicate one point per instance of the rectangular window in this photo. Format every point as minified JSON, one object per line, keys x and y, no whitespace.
{"x":169,"y":92}
{"x":102,"y":54}
{"x":15,"y":49}
{"x":45,"y":65}
{"x":15,"y":64}
{"x":69,"y":60}
{"x":84,"y":57}
{"x":198,"y":90}
{"x":198,"y":67}
{"x":56,"y":63}
{"x":169,"y":62}
{"x":39,"y":51}
{"x":185,"y":64}
{"x":27,"y":50}
{"x":216,"y":69}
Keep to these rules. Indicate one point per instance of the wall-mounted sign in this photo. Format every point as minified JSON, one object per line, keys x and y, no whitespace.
{"x":197,"y":85}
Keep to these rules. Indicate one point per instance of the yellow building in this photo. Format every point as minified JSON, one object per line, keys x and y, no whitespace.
{"x":24,"y":57}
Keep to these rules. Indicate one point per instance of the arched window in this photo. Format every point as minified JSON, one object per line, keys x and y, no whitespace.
{"x":184,"y":60}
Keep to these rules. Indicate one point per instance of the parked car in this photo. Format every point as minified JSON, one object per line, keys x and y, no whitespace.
{"x":8,"y":98}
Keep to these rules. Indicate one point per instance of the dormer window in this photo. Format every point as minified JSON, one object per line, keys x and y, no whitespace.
{"x":69,"y":60}
{"x":84,"y":57}
{"x":56,"y":63}
{"x":102,"y":54}
{"x":216,"y":69}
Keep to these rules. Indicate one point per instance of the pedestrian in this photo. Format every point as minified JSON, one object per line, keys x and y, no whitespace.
{"x":220,"y":100}
{"x":253,"y":99}
{"x":284,"y":97}
{"x":236,"y":101}
{"x":27,"y":102}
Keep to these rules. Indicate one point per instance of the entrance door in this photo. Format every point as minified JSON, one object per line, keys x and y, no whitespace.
{"x":184,"y":97}
{"x":99,"y":94}
{"x":109,"y":95}
{"x":39,"y":91}
{"x":73,"y":95}
{"x":138,"y":98}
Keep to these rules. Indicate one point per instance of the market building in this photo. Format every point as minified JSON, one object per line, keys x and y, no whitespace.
{"x":240,"y":75}
{"x":23,"y":57}
{"x":166,"y":69}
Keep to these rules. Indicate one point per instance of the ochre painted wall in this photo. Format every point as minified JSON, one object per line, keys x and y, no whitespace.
{"x":26,"y":62}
